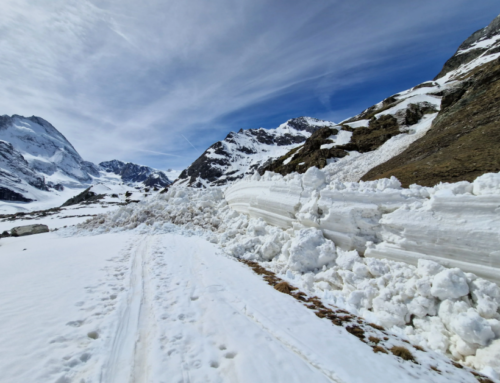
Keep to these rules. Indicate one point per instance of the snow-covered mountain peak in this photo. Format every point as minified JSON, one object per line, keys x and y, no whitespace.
{"x":132,"y":173}
{"x":245,"y":151}
{"x":46,"y":149}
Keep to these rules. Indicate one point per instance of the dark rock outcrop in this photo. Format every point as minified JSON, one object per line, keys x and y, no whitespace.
{"x":85,"y":196}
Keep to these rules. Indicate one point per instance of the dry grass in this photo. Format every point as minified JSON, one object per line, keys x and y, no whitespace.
{"x":403,"y":353}
{"x":379,"y":349}
{"x":283,"y":287}
{"x":374,"y":339}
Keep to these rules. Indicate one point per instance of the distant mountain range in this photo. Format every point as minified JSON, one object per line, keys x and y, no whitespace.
{"x":35,"y":157}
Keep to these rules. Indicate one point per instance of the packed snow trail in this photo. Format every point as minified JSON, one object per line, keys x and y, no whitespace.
{"x":168,"y":308}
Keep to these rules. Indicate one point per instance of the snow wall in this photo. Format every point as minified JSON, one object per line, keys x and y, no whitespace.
{"x":456,"y":225}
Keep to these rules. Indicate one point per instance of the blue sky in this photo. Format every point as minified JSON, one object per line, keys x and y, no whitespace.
{"x":157,"y":81}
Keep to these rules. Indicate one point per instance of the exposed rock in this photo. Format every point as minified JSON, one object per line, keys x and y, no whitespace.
{"x":85,"y":196}
{"x":10,"y":195}
{"x":308,"y":155}
{"x":466,"y":52}
{"x":20,"y":231}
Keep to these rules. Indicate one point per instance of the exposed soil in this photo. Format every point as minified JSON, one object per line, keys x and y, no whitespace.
{"x":464,"y":140}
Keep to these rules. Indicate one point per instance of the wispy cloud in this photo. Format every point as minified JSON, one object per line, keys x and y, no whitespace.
{"x":129,"y":80}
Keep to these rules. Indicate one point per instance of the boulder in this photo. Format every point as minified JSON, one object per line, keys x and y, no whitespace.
{"x":29,"y":230}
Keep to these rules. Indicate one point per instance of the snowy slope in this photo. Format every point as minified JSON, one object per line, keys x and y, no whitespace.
{"x":247,"y":150}
{"x":363,"y":146}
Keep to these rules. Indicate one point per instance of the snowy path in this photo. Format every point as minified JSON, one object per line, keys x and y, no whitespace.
{"x":166,"y":309}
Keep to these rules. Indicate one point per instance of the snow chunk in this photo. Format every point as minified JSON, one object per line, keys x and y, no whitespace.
{"x":428,"y":268}
{"x":487,"y":184}
{"x":310,"y":250}
{"x":313,"y":178}
{"x":449,"y":284}
{"x":472,"y":328}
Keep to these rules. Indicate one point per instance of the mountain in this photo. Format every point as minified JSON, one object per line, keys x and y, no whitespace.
{"x":46,"y":150}
{"x":445,"y":130}
{"x":248,"y":150}
{"x":37,"y":163}
{"x":132,"y":173}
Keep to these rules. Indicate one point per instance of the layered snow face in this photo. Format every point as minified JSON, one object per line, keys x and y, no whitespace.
{"x":444,"y":309}
{"x":46,"y":149}
{"x":454,"y":224}
{"x":243,"y":152}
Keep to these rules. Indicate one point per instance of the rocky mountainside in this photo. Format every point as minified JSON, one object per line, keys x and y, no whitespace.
{"x":246,"y":151}
{"x":445,"y":130}
{"x":132,"y":173}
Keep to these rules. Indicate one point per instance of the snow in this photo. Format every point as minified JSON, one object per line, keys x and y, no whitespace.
{"x":142,"y":307}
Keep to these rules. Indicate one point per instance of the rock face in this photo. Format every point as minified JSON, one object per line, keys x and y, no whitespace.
{"x":133,"y":173}
{"x":20,"y":231}
{"x":246,"y":151}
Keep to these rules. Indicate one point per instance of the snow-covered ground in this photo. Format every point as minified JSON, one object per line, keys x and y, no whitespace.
{"x":145,"y":306}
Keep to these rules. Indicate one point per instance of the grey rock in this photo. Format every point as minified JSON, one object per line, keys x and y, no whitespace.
{"x":20,"y":231}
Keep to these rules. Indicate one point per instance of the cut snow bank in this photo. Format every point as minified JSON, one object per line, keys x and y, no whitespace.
{"x":447,"y":310}
{"x":456,"y":225}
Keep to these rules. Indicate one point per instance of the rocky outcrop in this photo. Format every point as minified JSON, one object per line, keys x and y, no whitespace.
{"x":85,"y":196}
{"x":13,"y":162}
{"x":132,"y":173}
{"x":330,"y":142}
{"x":464,"y":141}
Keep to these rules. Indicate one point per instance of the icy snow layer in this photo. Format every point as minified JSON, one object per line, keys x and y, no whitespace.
{"x":445,"y":310}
